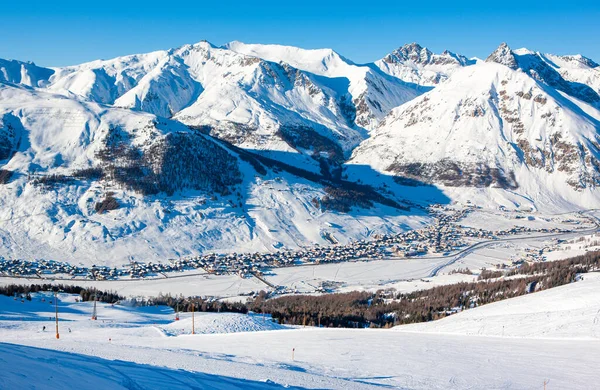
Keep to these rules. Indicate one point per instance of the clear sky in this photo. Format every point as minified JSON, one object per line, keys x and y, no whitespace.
{"x":57,"y":33}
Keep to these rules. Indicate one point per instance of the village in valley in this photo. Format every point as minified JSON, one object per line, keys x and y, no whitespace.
{"x":446,"y":236}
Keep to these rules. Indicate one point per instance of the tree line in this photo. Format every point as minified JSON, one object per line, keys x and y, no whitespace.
{"x":385,"y":308}
{"x":86,"y":294}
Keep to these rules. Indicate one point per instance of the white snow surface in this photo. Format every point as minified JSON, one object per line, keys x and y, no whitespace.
{"x":548,"y":336}
{"x":212,"y":323}
{"x":566,"y":312}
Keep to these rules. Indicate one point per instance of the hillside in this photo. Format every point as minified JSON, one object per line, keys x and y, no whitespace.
{"x":125,"y":347}
{"x":567,"y":312}
{"x":493,"y":125}
{"x":92,"y":184}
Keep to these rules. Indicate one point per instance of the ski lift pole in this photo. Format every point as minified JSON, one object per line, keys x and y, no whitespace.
{"x":193,"y":330}
{"x":95,"y":311}
{"x":56,"y":312}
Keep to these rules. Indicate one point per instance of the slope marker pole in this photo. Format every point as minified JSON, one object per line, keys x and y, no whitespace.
{"x":56,"y":312}
{"x":193,"y":327}
{"x":95,"y":312}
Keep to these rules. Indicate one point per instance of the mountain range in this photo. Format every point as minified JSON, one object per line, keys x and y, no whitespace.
{"x":259,"y":147}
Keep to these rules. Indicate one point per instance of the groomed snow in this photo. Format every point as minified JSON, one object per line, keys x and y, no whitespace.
{"x":548,"y":336}
{"x":566,"y":312}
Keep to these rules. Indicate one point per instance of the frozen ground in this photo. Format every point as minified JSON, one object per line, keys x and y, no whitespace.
{"x":551,"y":335}
{"x":499,"y":220}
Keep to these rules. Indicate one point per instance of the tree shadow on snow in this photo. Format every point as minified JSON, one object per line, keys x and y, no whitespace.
{"x":356,"y":190}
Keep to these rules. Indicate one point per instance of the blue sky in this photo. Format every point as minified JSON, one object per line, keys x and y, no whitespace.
{"x":57,"y":33}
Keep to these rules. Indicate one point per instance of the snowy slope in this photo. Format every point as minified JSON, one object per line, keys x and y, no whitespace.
{"x":212,"y":323}
{"x":218,"y":201}
{"x":373,"y":92}
{"x":26,"y":73}
{"x":416,"y":64}
{"x":541,"y":69}
{"x":125,"y":347}
{"x":492,"y":125}
{"x":575,"y":68}
{"x":567,"y":312}
{"x":37,"y":368}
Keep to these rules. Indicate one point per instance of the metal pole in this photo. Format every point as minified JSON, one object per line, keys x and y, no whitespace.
{"x":193,"y":330}
{"x":56,"y":312}
{"x":95,"y":313}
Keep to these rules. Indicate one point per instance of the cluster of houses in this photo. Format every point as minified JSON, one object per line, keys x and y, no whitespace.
{"x":443,"y":236}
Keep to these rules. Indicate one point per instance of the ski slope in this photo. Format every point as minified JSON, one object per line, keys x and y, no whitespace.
{"x":566,"y":312}
{"x":60,"y":370}
{"x":552,"y":335}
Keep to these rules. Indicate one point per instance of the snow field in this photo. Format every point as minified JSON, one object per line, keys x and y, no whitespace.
{"x":550,"y":335}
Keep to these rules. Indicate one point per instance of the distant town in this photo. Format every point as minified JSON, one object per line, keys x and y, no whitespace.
{"x":443,"y":237}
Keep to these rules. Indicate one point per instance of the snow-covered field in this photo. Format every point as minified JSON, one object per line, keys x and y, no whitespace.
{"x":549,"y":336}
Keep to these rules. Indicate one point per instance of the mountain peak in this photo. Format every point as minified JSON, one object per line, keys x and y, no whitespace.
{"x":203,"y":44}
{"x":418,"y":55}
{"x":503,"y":55}
{"x":410,"y":52}
{"x":578,"y":58}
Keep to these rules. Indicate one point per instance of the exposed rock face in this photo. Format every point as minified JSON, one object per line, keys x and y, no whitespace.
{"x":503,"y":55}
{"x":455,"y":174}
{"x":417,"y":54}
{"x":416,"y":64}
{"x":535,"y":65}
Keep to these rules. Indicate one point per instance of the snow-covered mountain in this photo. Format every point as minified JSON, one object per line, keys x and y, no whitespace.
{"x":575,"y":68}
{"x":416,"y":64}
{"x":199,"y":148}
{"x":90,"y":183}
{"x":26,"y":73}
{"x":373,"y":92}
{"x":540,"y":68}
{"x":243,"y":99}
{"x":296,"y":102}
{"x":511,"y":122}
